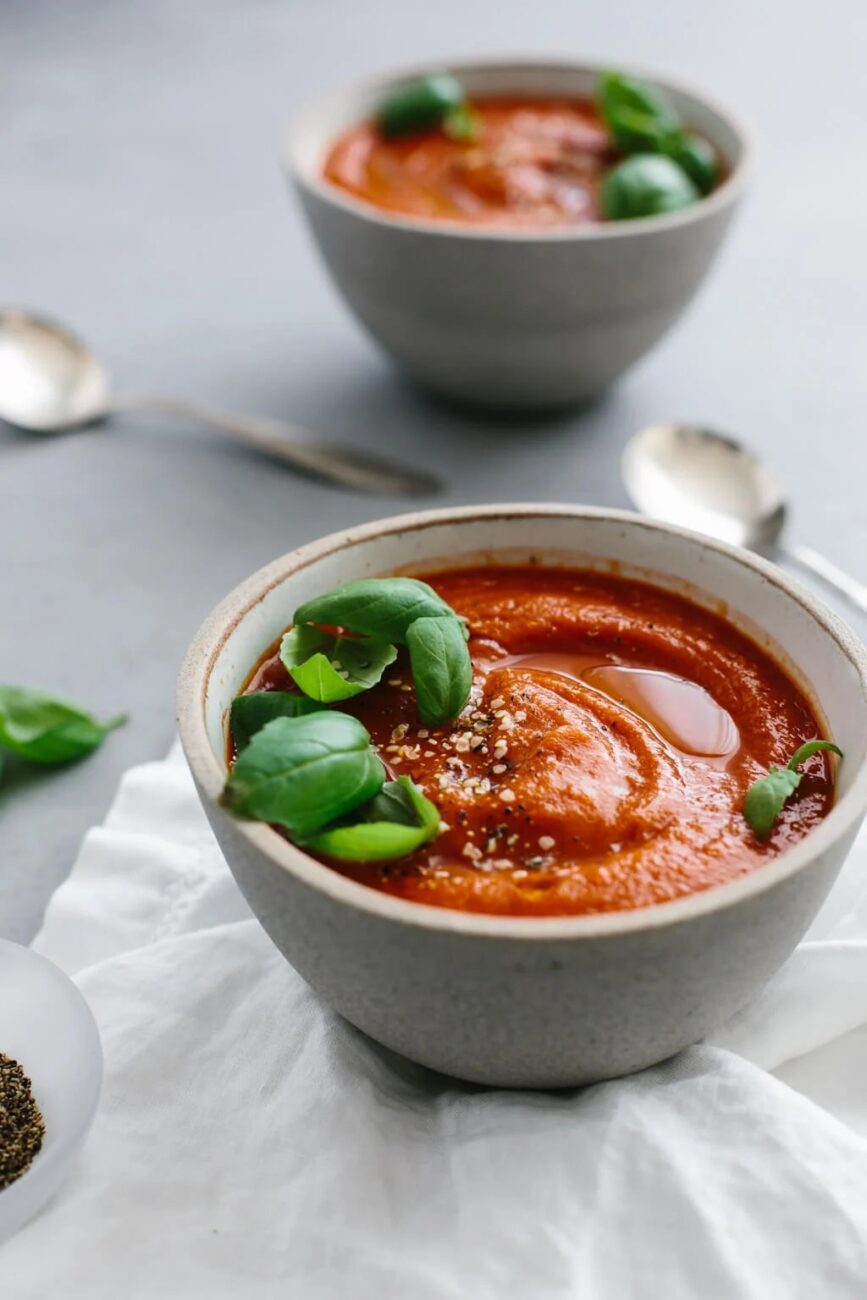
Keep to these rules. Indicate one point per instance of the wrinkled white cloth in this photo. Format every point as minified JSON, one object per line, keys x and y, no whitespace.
{"x":251,"y":1145}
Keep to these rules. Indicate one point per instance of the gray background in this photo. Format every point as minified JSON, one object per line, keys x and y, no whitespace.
{"x":141,"y":199}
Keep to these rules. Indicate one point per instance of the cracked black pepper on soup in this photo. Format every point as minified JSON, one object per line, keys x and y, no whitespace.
{"x":22,"y":1127}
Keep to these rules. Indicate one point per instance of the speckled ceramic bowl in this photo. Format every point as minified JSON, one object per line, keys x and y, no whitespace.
{"x":536,"y":1002}
{"x":505,"y":318}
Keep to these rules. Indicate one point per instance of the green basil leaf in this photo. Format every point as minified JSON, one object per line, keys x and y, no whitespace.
{"x":420,"y":105}
{"x":646,"y":185}
{"x":250,"y":713}
{"x":441,"y":668}
{"x":694,"y":155}
{"x":462,"y":124}
{"x":765,"y":798}
{"x":396,"y":822}
{"x":380,"y":607}
{"x":331,"y":668}
{"x":810,"y":748}
{"x":304,"y":772}
{"x":45,"y":729}
{"x":637,"y":115}
{"x":401,"y":801}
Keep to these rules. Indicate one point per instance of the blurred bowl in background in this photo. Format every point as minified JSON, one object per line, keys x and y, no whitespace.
{"x":505,"y":318}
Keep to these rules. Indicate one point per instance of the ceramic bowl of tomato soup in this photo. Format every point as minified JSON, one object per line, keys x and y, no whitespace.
{"x":593,"y":898}
{"x":485,"y":267}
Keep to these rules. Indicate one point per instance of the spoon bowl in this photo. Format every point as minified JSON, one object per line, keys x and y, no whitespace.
{"x":49,"y":379}
{"x":709,"y":482}
{"x":692,"y":476}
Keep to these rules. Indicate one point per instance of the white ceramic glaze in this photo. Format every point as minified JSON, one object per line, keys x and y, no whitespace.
{"x":512,"y":319}
{"x":46,"y":1025}
{"x":532,"y":1001}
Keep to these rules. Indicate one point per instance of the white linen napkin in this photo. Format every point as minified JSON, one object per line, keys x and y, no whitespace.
{"x":249,"y":1144}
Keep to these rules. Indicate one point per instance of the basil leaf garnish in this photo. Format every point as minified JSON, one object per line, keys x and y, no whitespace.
{"x":694,"y":156}
{"x":441,"y":668}
{"x":637,"y":116}
{"x":641,"y":121}
{"x":380,"y":607}
{"x":809,"y":749}
{"x":45,"y":729}
{"x":303,"y":773}
{"x":396,"y":822}
{"x":330,"y":668}
{"x":765,"y":798}
{"x":462,"y":124}
{"x":646,"y":185}
{"x":420,"y":105}
{"x":250,"y":713}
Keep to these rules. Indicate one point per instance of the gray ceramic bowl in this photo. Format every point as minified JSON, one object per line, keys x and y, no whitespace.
{"x":537,"y":1002}
{"x":512,"y":319}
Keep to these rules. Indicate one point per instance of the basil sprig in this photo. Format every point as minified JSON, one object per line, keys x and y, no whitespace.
{"x":643,"y":125}
{"x":765,"y":798}
{"x":250,"y":713}
{"x":330,"y":668}
{"x":387,"y":612}
{"x":638,"y":117}
{"x":394,"y":823}
{"x":304,"y":772}
{"x":317,"y":775}
{"x":430,"y":102}
{"x":44,"y":729}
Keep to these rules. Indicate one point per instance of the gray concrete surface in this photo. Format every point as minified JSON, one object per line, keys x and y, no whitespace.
{"x":141,"y":199}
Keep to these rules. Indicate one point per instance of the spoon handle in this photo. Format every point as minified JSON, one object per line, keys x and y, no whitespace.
{"x":363,"y":471}
{"x":854,"y":591}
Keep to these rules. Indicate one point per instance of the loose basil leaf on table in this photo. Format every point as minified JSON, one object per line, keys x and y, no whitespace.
{"x":304,"y":772}
{"x":646,"y":185}
{"x":420,"y":105}
{"x":44,"y":729}
{"x":330,"y":668}
{"x":250,"y":713}
{"x":695,"y":156}
{"x":766,"y":797}
{"x":441,"y":668}
{"x":396,"y":822}
{"x":637,"y":116}
{"x":380,"y":607}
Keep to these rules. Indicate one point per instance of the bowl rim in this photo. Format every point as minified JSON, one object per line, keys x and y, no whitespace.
{"x":194,"y":678}
{"x":722,"y":197}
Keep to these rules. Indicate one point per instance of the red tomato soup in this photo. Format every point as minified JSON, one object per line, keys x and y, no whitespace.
{"x":536,"y":162}
{"x":602,"y":761}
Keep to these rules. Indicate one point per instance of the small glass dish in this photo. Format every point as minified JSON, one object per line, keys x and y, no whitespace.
{"x":46,"y":1025}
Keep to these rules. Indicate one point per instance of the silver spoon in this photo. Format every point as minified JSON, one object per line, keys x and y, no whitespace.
{"x":50,"y":382}
{"x":710,"y":483}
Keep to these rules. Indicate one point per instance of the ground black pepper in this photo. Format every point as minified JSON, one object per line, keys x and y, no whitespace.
{"x":22,"y":1127}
